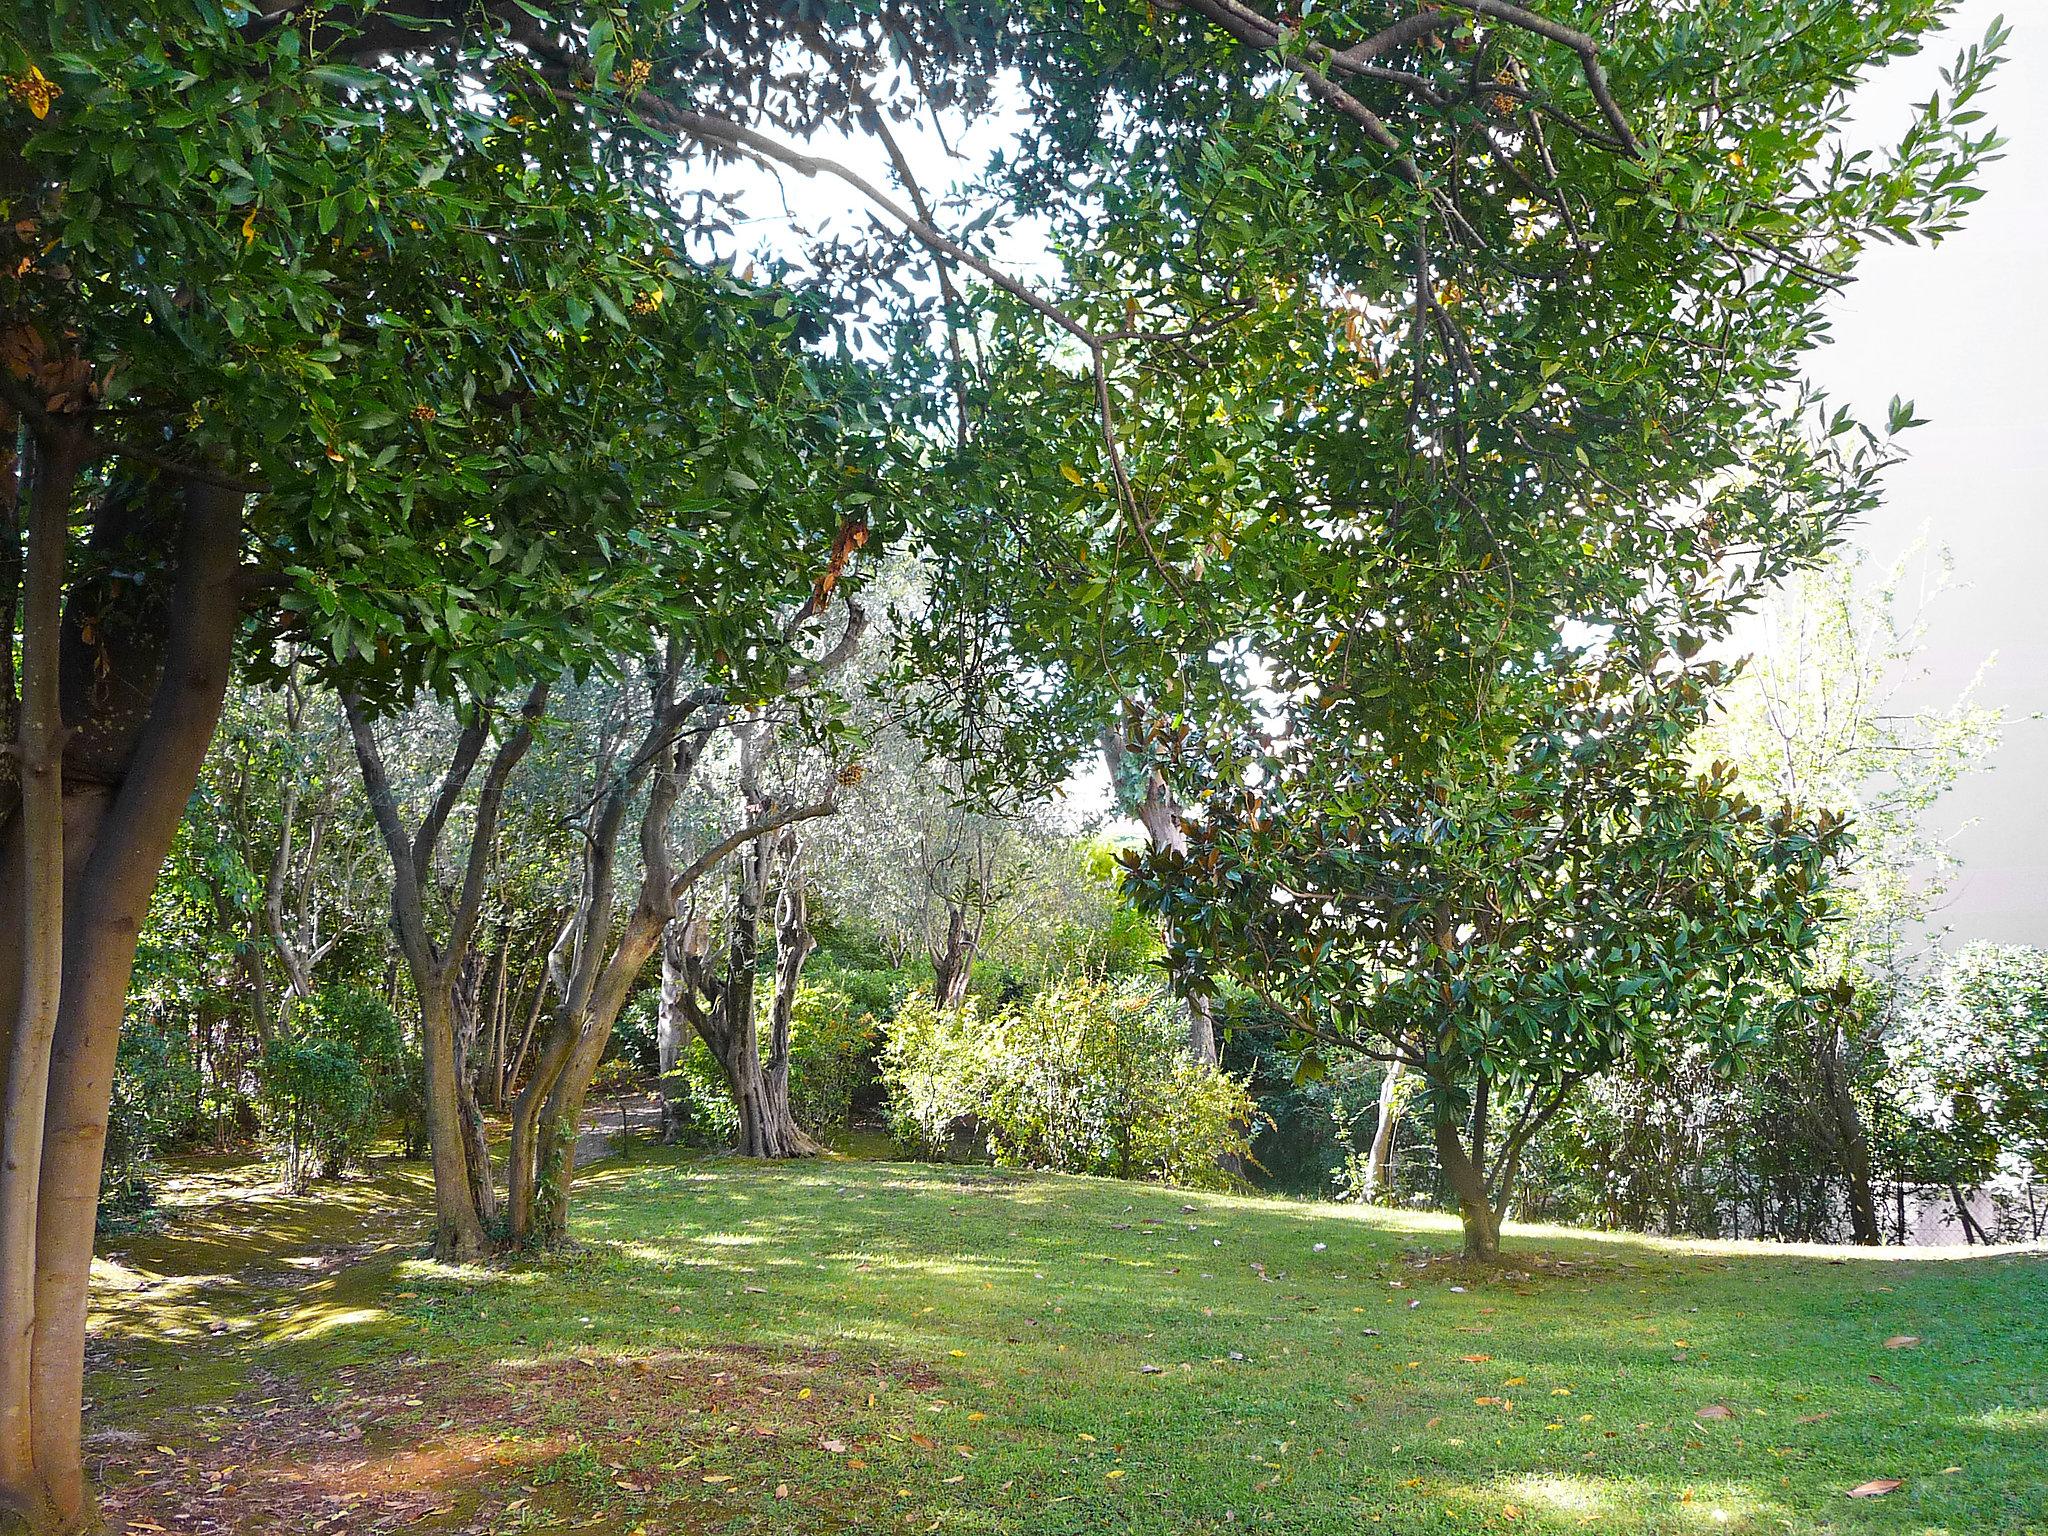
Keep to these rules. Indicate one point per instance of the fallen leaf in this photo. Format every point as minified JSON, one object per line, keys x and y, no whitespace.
{"x":1902,"y":1341}
{"x":1715,"y":1411}
{"x":1877,"y":1487}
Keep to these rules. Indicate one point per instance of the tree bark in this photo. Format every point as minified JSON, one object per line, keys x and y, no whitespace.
{"x":39,"y":763}
{"x":1852,"y":1144}
{"x":1379,"y":1166}
{"x":142,"y":685}
{"x":1158,"y":812}
{"x":1468,"y":1183}
{"x":459,"y":1170}
{"x":476,"y":1153}
{"x":671,"y":1027}
{"x":953,"y":960}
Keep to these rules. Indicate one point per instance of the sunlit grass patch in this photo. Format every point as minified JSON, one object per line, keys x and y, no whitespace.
{"x":886,"y":1347}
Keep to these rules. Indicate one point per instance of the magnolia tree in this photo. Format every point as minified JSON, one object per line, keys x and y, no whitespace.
{"x":1557,"y":897}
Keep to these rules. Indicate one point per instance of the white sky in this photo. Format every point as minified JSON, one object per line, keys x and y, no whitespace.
{"x":1962,"y":331}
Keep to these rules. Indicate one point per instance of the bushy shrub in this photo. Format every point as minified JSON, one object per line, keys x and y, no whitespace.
{"x":1083,"y":1077}
{"x":933,"y":1070}
{"x":155,"y":1099}
{"x":327,"y":1080}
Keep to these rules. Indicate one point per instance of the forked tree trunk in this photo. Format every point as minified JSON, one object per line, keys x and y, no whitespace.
{"x":462,"y":1199}
{"x":1475,"y":1204}
{"x":722,"y":1012}
{"x":141,"y":682}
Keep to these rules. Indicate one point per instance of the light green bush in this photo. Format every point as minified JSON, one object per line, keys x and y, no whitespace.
{"x":1083,"y":1077}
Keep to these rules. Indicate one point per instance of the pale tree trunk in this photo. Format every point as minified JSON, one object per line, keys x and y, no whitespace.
{"x":141,"y":683}
{"x":39,"y":753}
{"x":1379,"y":1165}
{"x":1158,"y":812}
{"x":672,"y":1027}
{"x":793,"y":946}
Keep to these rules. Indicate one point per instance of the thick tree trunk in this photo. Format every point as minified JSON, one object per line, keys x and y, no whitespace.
{"x":458,"y":1224}
{"x":138,"y":735}
{"x":1468,"y":1183}
{"x":25,"y":1069}
{"x":953,"y":960}
{"x":766,"y":1127}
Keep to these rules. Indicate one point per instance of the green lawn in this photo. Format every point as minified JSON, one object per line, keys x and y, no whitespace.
{"x":869,"y":1346}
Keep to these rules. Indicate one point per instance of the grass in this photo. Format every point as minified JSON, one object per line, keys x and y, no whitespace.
{"x":853,"y":1346}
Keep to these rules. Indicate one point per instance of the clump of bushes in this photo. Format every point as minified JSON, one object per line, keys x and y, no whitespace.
{"x":1082,"y":1077}
{"x":156,"y":1089}
{"x":326,"y":1081}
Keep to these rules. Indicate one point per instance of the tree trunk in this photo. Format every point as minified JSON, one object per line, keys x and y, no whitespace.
{"x":142,"y":680}
{"x":1852,"y":1143}
{"x":39,"y":764}
{"x":1468,"y":1183}
{"x":1379,"y":1166}
{"x":1158,"y":812}
{"x":671,"y":1025}
{"x":953,"y":961}
{"x":727,"y":1027}
{"x":458,"y":1224}
{"x":1973,"y":1231}
{"x":468,"y":1005}
{"x":494,"y":1058}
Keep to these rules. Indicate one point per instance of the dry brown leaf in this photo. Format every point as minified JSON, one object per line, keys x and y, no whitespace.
{"x":1715,"y":1411}
{"x":1902,"y":1341}
{"x":1877,"y":1487}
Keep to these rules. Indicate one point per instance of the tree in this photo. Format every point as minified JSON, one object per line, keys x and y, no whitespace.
{"x":719,"y":1004}
{"x":1543,"y":906}
{"x":390,"y":353}
{"x":1815,"y":716}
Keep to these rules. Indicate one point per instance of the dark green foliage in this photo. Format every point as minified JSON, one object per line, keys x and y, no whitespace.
{"x":328,"y":1081}
{"x":155,"y":1106}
